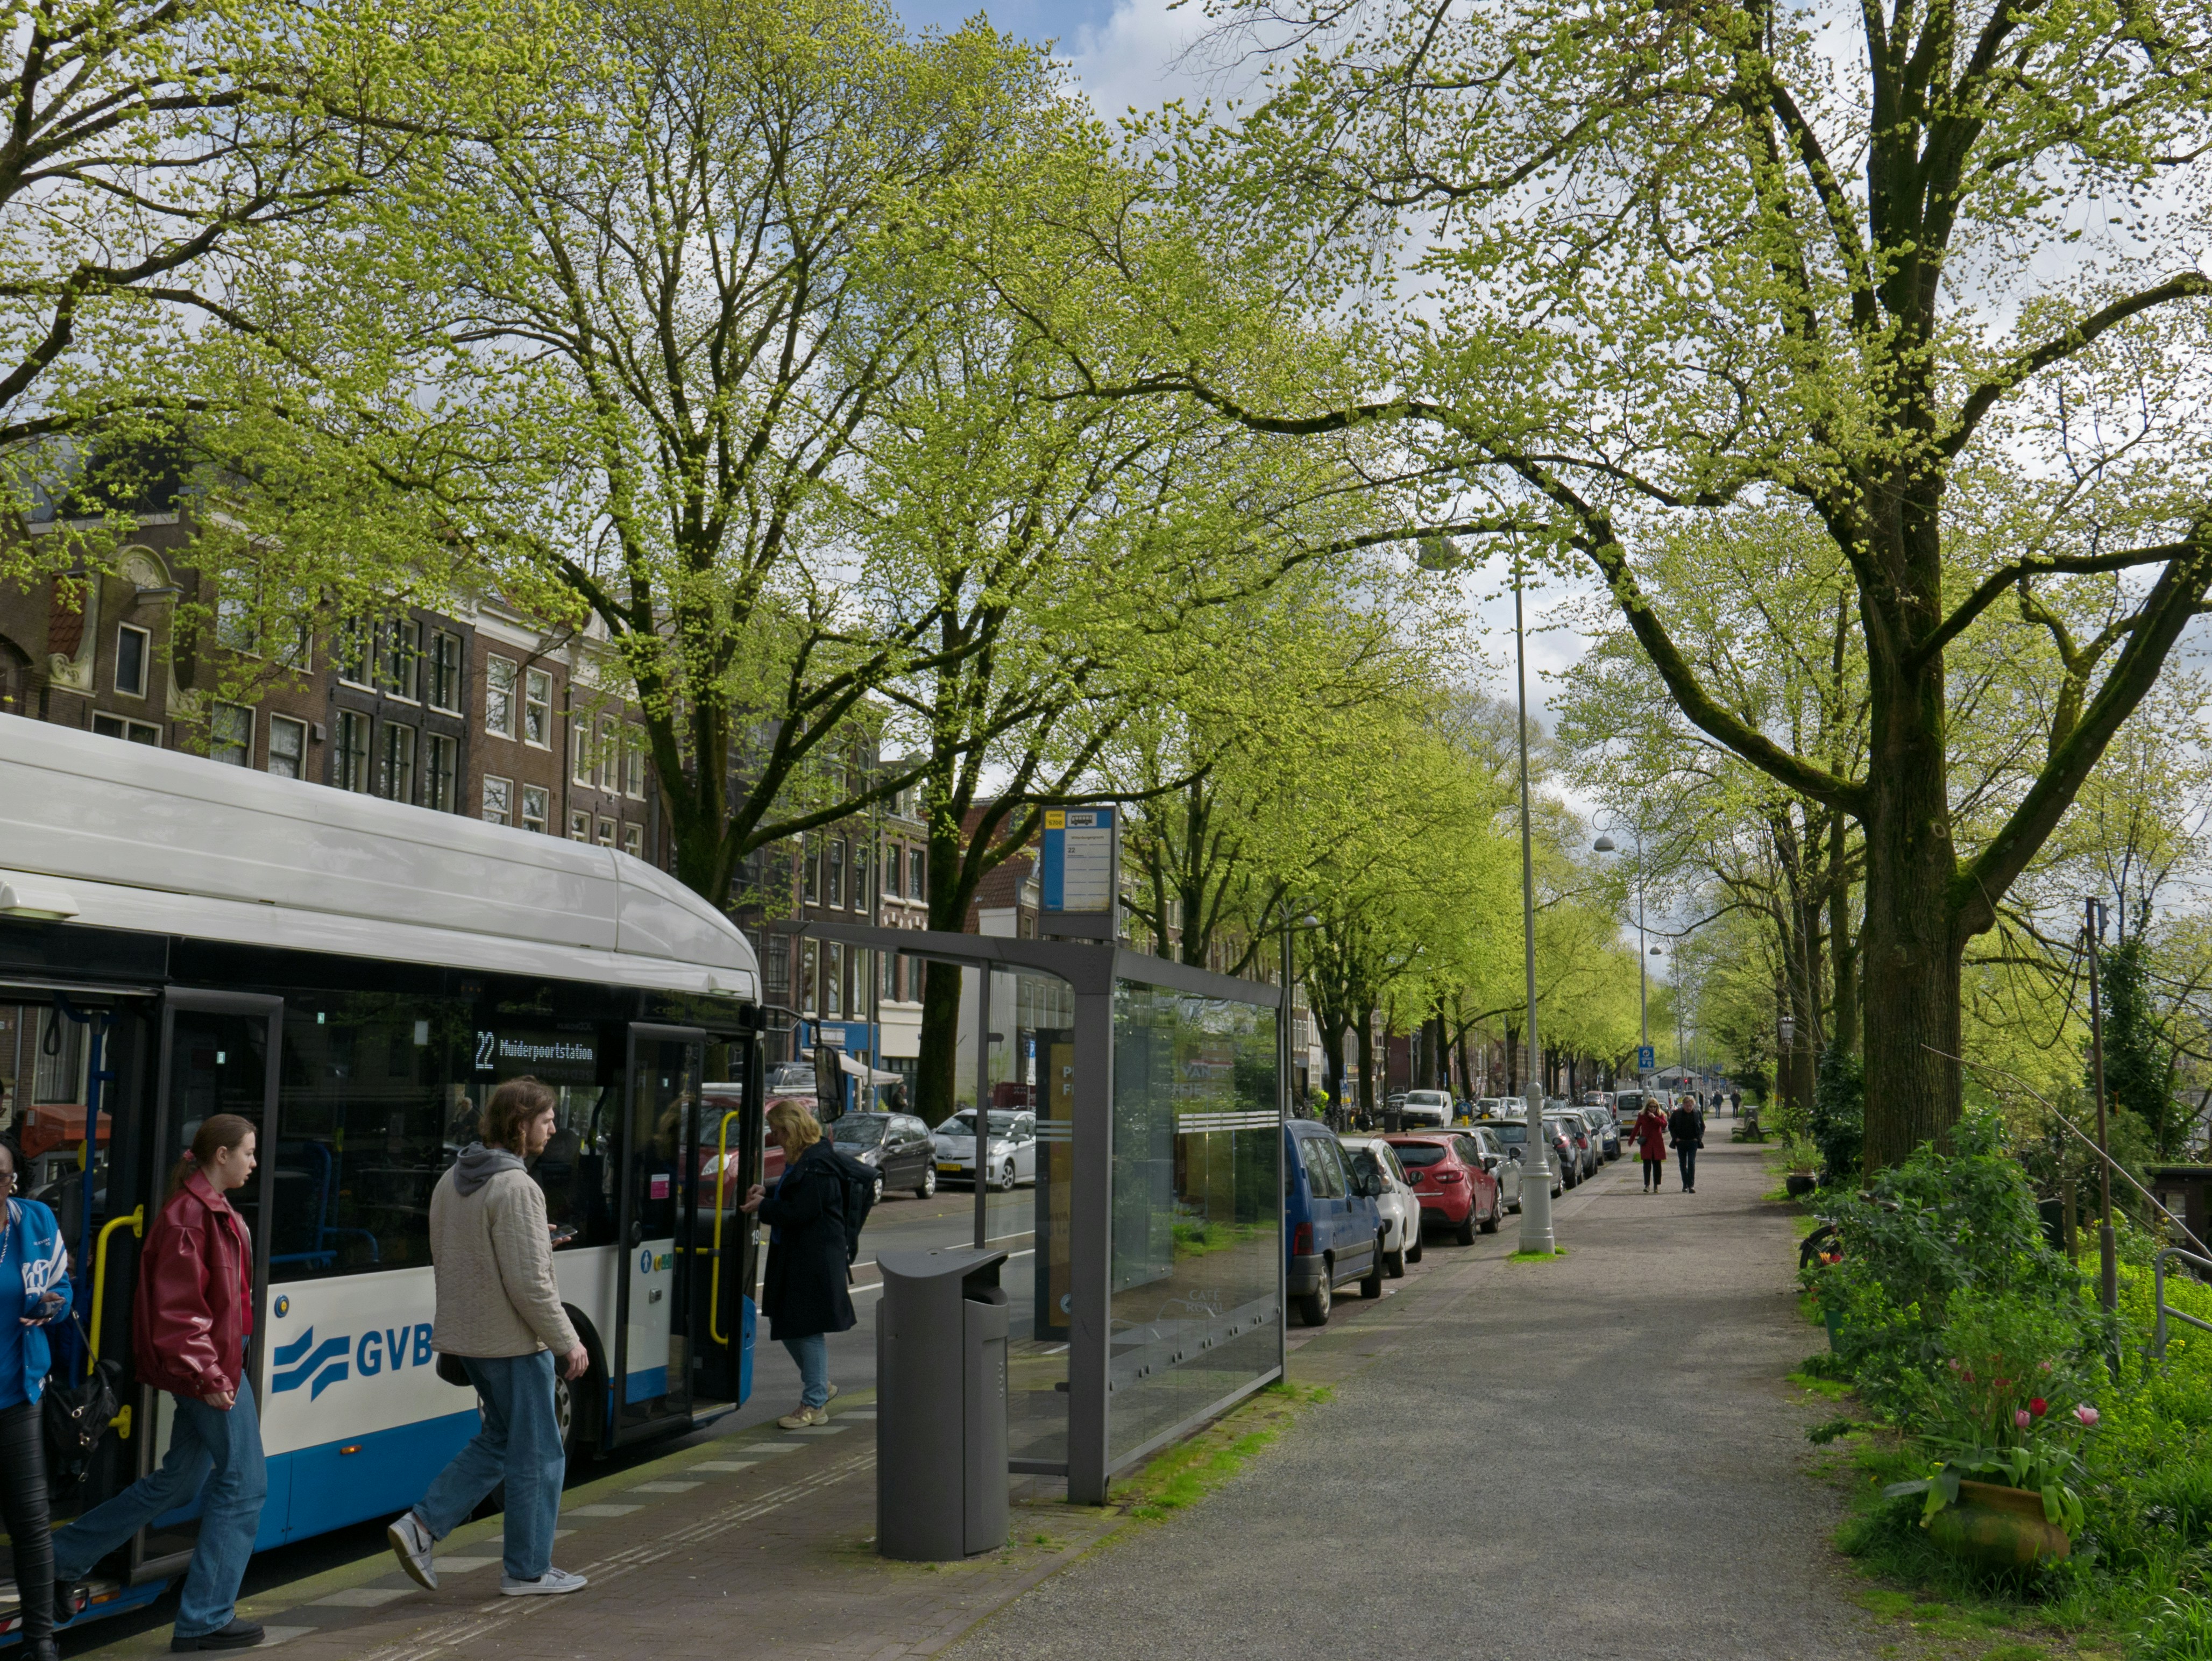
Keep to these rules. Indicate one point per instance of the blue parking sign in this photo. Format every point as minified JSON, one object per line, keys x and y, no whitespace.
{"x":1645,"y":1060}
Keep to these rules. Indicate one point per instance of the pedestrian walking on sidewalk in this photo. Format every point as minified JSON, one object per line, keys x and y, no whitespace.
{"x":1650,"y":1135}
{"x":500,"y":1316}
{"x":805,"y":1291}
{"x":190,"y":1321}
{"x":34,"y":1293}
{"x":1687,"y":1127}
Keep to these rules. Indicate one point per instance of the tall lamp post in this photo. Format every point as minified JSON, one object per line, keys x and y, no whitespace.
{"x":1605,"y":845}
{"x":1535,"y":1203}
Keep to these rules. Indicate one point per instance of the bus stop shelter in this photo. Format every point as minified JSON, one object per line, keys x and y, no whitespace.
{"x":1157,"y":1299}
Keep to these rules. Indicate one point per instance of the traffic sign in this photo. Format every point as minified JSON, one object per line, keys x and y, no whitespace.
{"x":1645,"y":1060}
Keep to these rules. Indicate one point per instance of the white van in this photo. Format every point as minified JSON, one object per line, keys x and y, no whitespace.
{"x":1423,"y":1109}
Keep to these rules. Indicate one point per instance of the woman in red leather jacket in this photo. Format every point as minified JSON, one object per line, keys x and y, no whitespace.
{"x":189,"y":1325}
{"x":1650,"y":1137}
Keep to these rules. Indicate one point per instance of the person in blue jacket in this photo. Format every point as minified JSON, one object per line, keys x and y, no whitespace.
{"x":34,"y":1292}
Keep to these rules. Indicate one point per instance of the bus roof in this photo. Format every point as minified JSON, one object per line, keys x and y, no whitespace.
{"x":117,"y":835}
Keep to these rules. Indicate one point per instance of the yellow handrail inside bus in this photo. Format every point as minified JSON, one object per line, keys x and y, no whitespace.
{"x":136,"y":1224}
{"x":721,"y":1174}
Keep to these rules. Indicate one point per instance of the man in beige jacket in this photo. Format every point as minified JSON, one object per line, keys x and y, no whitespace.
{"x":499,"y":1315}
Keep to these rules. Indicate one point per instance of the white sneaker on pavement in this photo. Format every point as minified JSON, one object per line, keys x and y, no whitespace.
{"x":804,"y":1417}
{"x":551,"y":1584}
{"x":412,"y":1544}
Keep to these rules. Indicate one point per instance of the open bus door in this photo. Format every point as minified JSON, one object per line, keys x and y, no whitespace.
{"x":651,"y":1378}
{"x":729,"y":1162}
{"x":220,"y":1053}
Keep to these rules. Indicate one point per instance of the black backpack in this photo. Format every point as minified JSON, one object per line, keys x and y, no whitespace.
{"x":859,"y":1197}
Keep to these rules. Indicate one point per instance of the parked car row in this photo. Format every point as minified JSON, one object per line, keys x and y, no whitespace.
{"x":1357,"y":1209}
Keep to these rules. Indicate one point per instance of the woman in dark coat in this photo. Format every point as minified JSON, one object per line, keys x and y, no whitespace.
{"x":804,"y":1292}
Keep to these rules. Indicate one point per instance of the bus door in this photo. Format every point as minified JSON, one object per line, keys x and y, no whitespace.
{"x":651,"y":1378}
{"x":219,"y":1054}
{"x":722,"y":1238}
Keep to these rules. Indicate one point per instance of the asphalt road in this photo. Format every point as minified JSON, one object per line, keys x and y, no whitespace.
{"x":1590,"y":1457}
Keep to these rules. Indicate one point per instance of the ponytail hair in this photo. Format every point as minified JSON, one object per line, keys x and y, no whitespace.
{"x":217,"y":1132}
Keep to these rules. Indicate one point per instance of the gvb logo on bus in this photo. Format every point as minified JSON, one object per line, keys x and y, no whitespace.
{"x":317,"y":1366}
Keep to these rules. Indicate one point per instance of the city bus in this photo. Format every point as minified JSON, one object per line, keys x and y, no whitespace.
{"x":180,"y":937}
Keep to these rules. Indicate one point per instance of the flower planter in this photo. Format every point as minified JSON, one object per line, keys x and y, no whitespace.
{"x":1999,"y":1528}
{"x":1800,"y":1183}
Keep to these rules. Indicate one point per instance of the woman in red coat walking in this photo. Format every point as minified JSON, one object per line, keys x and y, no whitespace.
{"x":1650,"y":1133}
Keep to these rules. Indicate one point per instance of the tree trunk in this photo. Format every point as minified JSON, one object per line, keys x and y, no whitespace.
{"x":1910,"y":943}
{"x":1366,"y":1039}
{"x":1510,"y":1053}
{"x":1332,"y":1051}
{"x":935,"y":1080}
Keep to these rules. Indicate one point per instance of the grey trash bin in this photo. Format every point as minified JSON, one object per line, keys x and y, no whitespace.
{"x":941,"y":1333}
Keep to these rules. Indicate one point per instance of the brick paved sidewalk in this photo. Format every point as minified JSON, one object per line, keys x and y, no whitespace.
{"x":759,"y":1543}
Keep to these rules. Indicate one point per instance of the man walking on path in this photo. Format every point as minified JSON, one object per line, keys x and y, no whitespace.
{"x":1688,"y":1126}
{"x":500,"y":1315}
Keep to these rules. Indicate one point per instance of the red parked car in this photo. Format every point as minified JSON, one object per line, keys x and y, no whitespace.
{"x":1456,"y":1191}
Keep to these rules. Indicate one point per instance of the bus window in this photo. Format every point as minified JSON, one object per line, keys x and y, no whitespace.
{"x":362,"y":1131}
{"x":576,"y":1170}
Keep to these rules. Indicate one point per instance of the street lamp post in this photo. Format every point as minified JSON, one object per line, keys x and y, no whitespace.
{"x":1536,"y":1202}
{"x":1605,"y":845}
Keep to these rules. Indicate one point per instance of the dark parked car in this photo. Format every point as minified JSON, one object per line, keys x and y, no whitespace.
{"x":1332,"y":1226}
{"x":898,"y":1145}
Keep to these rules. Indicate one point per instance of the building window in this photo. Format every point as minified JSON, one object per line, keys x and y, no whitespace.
{"x":445,"y":671}
{"x":916,"y":887}
{"x":809,"y":966}
{"x":607,"y":833}
{"x":580,"y":827}
{"x":834,"y":876}
{"x":351,"y":648}
{"x":403,"y":659}
{"x":580,"y":754}
{"x":498,"y":801}
{"x":230,"y":735}
{"x":609,"y":755}
{"x":135,"y":732}
{"x":833,"y":981}
{"x":349,"y":762}
{"x":891,"y":870}
{"x":288,"y":747}
{"x":775,"y":969}
{"x":860,"y":876}
{"x":633,"y":764}
{"x":810,"y":881}
{"x":395,"y":763}
{"x":634,"y":841}
{"x":441,"y":773}
{"x":537,"y":808}
{"x":537,"y":709}
{"x":133,"y":646}
{"x":499,"y":697}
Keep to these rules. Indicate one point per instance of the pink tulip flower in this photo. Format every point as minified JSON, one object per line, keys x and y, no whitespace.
{"x":2086,"y":1414}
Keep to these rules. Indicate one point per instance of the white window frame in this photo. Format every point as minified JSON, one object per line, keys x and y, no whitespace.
{"x":298,"y":757}
{"x":580,"y":754}
{"x":403,"y":638}
{"x":362,"y":634}
{"x":214,"y":714}
{"x":607,"y":833}
{"x":457,"y":693}
{"x":538,"y":700}
{"x":145,"y":661}
{"x":127,"y":730}
{"x":580,"y":825}
{"x":537,"y":797}
{"x":634,"y":763}
{"x":498,"y":799}
{"x":495,"y":667}
{"x":633,"y":841}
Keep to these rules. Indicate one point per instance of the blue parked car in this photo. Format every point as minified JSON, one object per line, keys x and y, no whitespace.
{"x":1331,"y":1226}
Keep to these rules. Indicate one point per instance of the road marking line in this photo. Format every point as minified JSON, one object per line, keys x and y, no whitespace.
{"x":664,"y":1487}
{"x":361,"y":1597}
{"x":602,"y":1511}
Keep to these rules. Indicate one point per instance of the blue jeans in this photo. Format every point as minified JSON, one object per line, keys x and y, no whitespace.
{"x":222,"y":1450}
{"x":519,"y":1444}
{"x":813,"y":1355}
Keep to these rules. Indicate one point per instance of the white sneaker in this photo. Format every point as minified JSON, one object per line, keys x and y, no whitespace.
{"x":804,"y":1417}
{"x":412,"y":1544}
{"x":551,"y":1584}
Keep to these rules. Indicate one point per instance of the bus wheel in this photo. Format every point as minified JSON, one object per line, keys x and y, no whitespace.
{"x":580,"y":1405}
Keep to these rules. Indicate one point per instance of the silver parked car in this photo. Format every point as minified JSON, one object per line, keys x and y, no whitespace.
{"x":1398,"y":1203}
{"x":1011,"y":1157}
{"x":1501,"y":1164}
